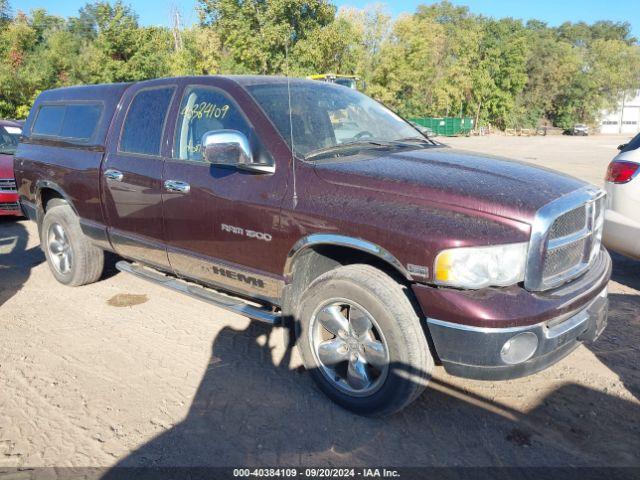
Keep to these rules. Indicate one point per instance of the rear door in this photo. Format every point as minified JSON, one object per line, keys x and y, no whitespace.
{"x":132,"y":174}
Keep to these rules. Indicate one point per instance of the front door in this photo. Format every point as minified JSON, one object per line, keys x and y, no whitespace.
{"x":221,"y":222}
{"x":132,"y":177}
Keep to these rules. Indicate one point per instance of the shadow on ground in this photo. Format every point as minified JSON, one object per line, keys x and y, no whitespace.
{"x":626,"y":271}
{"x":16,"y":261}
{"x":251,"y":411}
{"x":619,"y":346}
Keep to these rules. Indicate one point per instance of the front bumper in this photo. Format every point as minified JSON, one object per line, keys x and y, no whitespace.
{"x":475,"y":352}
{"x":469,"y":328}
{"x":9,"y":205}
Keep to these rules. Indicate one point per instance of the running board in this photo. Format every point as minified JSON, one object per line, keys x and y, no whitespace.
{"x":233,"y":304}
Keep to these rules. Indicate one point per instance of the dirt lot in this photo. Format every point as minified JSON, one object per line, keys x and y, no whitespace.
{"x":126,"y":372}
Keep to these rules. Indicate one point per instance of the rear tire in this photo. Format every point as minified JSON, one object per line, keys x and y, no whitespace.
{"x":379,"y":361}
{"x":71,"y":256}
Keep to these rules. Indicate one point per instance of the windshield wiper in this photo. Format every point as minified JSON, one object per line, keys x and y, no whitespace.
{"x":346,"y":146}
{"x":425,"y":140}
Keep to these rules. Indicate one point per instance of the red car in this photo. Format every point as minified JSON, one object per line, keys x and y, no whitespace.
{"x":9,"y":135}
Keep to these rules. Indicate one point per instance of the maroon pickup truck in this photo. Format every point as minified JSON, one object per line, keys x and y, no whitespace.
{"x":311,"y":205}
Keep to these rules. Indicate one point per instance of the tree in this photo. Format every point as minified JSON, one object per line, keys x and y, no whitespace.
{"x":5,"y":13}
{"x":408,"y":63}
{"x":255,"y":36}
{"x":332,"y":48}
{"x":440,"y":60}
{"x":371,"y":28}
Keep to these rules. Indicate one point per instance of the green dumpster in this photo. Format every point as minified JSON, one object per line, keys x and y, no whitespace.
{"x":446,"y":126}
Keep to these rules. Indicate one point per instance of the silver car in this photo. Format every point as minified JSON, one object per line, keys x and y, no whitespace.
{"x":580,"y":129}
{"x":622,"y":217}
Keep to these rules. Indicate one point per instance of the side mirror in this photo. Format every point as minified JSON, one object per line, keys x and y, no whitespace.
{"x":231,"y":148}
{"x":623,"y":146}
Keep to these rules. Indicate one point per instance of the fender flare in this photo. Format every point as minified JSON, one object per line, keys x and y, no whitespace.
{"x":40,"y":184}
{"x":333,"y":239}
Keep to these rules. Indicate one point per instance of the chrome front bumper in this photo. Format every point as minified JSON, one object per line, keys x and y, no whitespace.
{"x":475,"y":352}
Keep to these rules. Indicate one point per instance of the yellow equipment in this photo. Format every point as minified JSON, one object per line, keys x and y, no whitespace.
{"x":349,"y":81}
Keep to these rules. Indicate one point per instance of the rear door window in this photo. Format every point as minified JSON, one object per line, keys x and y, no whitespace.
{"x":143,"y":127}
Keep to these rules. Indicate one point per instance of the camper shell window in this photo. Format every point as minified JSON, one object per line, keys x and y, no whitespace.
{"x":68,"y":121}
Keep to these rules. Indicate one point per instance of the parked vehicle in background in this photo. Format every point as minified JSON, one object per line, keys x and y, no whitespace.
{"x":580,"y":129}
{"x":622,"y":217}
{"x":311,"y":204}
{"x":10,"y":132}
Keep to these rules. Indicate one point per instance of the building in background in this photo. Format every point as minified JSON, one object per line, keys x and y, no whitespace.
{"x":625,"y":119}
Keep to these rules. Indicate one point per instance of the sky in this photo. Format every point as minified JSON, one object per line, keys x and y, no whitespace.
{"x":554,"y":12}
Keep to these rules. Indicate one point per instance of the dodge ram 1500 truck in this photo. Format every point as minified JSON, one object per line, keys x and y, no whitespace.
{"x":309,"y":204}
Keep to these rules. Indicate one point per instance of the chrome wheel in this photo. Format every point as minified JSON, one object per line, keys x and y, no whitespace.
{"x":59,"y":247}
{"x":349,"y":347}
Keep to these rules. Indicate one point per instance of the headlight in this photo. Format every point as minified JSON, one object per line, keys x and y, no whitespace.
{"x":478,"y":267}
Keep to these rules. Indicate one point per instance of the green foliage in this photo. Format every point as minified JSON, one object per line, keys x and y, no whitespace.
{"x":441,"y":60}
{"x":255,"y":35}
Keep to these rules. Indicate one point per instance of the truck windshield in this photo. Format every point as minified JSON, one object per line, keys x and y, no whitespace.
{"x":325,"y":116}
{"x":9,"y":140}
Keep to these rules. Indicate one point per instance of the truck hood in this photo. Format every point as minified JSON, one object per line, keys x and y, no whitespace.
{"x":485,"y":183}
{"x":6,"y":166}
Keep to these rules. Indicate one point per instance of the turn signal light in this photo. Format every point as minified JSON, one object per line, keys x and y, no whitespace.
{"x":621,"y":172}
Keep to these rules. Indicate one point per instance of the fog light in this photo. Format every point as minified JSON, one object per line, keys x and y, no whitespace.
{"x":519,"y":348}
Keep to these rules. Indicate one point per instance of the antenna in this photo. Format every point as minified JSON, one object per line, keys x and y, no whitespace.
{"x":293,"y":155}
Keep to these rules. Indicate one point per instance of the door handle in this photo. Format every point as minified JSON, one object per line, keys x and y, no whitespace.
{"x":114,"y":175}
{"x":177,"y":186}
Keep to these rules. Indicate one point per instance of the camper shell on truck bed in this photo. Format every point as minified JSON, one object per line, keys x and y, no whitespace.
{"x":71,"y":126}
{"x":309,"y":204}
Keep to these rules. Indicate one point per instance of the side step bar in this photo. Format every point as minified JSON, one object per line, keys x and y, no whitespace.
{"x":233,"y":304}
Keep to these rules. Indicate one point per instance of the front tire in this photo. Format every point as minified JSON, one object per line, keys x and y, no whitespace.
{"x":361,"y":339}
{"x":71,"y":256}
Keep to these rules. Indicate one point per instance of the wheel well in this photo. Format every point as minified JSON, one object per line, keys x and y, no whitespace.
{"x":316,"y":260}
{"x":48,"y":194}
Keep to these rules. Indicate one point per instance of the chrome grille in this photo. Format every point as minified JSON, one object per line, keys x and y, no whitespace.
{"x":563,"y":258}
{"x":570,"y":222}
{"x":566,"y":238}
{"x":10,"y":206}
{"x":7,"y":185}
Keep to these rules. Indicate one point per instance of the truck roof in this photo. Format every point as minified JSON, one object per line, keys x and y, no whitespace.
{"x":9,"y":123}
{"x":85,"y":92}
{"x":108,"y":97}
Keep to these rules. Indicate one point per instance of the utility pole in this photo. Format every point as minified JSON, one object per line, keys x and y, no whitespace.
{"x":624,"y":94}
{"x":176,"y":28}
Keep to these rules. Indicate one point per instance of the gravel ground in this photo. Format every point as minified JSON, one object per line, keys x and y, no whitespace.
{"x":125,"y":372}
